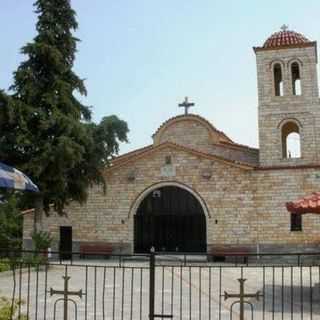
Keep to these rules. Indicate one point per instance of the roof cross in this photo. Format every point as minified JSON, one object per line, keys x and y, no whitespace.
{"x":186,"y":104}
{"x":284,"y":27}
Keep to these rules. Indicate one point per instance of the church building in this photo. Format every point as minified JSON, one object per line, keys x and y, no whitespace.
{"x":194,"y":189}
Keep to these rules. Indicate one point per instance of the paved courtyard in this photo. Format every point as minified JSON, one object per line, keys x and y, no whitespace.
{"x":192,"y":292}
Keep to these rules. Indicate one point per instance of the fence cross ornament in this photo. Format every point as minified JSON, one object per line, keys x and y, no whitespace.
{"x":242,"y":296}
{"x":66,"y":293}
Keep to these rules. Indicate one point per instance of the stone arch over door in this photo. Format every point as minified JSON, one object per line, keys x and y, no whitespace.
{"x":170,"y":218}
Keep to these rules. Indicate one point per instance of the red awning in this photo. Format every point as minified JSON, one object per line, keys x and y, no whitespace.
{"x":308,"y":204}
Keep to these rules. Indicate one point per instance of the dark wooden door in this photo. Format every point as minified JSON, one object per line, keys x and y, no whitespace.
{"x":170,"y":219}
{"x":65,"y":242}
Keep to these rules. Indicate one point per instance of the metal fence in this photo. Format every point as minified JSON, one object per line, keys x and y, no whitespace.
{"x":163,"y":286}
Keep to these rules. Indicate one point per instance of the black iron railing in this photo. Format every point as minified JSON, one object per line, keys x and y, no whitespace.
{"x":157,"y":285}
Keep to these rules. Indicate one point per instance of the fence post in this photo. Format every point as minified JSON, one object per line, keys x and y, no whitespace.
{"x":151,"y":284}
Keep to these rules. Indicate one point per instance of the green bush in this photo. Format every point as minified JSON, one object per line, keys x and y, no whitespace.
{"x":4,"y":265}
{"x":33,"y":261}
{"x":42,"y":240}
{"x":6,"y":309}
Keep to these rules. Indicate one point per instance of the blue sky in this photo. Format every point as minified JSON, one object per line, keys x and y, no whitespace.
{"x":140,"y":58}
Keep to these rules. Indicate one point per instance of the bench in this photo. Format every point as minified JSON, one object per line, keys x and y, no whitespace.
{"x":220,"y":253}
{"x":96,"y":249}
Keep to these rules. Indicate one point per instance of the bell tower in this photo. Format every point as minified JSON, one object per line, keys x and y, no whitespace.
{"x":288,"y":100}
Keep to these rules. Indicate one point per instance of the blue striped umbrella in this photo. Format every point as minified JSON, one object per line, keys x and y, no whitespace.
{"x":11,"y":178}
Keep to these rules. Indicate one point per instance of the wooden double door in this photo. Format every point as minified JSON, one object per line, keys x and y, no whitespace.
{"x":170,"y":219}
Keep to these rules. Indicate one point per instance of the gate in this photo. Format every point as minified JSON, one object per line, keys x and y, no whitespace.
{"x":170,"y":233}
{"x":159,"y":286}
{"x":170,"y":219}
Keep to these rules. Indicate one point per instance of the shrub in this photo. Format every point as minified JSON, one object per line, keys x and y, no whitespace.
{"x":33,"y":261}
{"x":42,"y":240}
{"x":4,"y":265}
{"x":6,"y":309}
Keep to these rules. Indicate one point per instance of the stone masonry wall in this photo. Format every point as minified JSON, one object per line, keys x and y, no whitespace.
{"x":274,"y":110}
{"x":273,"y":189}
{"x":271,"y":135}
{"x":193,"y":134}
{"x":245,"y":207}
{"x":189,"y":133}
{"x":246,"y":155}
{"x":108,"y":218}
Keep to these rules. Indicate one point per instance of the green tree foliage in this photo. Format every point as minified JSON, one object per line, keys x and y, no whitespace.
{"x":10,"y":224}
{"x":44,"y":129}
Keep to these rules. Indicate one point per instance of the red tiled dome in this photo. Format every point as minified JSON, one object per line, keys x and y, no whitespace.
{"x":285,"y":38}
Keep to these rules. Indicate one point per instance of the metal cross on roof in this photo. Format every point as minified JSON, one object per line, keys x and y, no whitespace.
{"x":186,"y":105}
{"x":284,"y":27}
{"x":242,"y":297}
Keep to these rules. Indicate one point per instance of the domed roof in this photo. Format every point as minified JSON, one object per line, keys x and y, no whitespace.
{"x":285,"y":38}
{"x":165,"y":130}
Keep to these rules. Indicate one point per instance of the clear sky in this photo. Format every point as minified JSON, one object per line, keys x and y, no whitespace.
{"x":140,"y":58}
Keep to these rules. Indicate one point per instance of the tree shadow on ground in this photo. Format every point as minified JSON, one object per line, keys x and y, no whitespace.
{"x":288,"y":299}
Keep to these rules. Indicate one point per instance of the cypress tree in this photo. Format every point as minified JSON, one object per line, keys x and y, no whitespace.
{"x":45,"y":130}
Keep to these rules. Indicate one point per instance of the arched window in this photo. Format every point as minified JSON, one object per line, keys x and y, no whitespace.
{"x":291,"y":140}
{"x":296,"y":80}
{"x":278,"y":83}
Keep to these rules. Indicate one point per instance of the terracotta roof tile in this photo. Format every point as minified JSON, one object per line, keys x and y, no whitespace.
{"x":285,"y":38}
{"x":308,"y":204}
{"x":131,"y":153}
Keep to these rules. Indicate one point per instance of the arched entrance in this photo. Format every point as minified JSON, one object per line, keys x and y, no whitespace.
{"x":170,"y":219}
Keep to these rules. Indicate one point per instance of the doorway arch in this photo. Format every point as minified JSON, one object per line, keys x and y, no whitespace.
{"x":169,"y":218}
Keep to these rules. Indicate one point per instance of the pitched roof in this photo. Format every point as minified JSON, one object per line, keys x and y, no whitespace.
{"x":131,"y":153}
{"x":237,"y":146}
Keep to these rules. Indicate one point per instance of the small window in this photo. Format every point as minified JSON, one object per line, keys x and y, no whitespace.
{"x":296,"y":79}
{"x":168,"y":160}
{"x":296,"y":222}
{"x":278,"y":83}
{"x":291,"y":147}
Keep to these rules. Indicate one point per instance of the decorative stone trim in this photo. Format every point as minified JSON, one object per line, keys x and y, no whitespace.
{"x":158,"y":185}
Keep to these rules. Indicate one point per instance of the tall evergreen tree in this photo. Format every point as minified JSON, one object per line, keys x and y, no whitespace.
{"x":44,"y":129}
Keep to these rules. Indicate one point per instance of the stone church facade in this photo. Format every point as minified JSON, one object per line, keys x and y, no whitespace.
{"x":194,"y":189}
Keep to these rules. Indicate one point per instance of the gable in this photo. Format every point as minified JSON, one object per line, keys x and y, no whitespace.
{"x":148,"y":153}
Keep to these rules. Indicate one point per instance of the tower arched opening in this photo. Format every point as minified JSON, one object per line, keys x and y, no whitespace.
{"x":278,"y":82}
{"x":296,"y":79}
{"x":291,"y":145}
